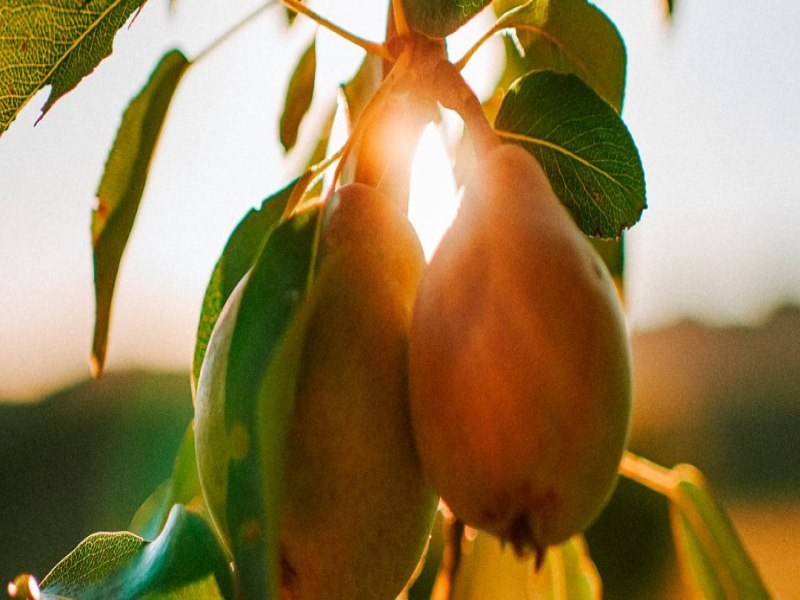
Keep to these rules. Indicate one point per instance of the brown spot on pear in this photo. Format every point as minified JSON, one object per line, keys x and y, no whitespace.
{"x":519,"y":372}
{"x":357,"y":510}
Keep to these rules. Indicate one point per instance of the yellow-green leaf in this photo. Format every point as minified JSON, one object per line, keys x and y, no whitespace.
{"x":298,"y":96}
{"x":709,"y":550}
{"x":491,"y":570}
{"x":53,"y":42}
{"x":358,"y":91}
{"x":568,"y":573}
{"x":121,"y":187}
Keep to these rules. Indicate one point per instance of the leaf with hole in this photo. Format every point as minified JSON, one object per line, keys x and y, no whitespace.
{"x":54,"y":43}
{"x":122,"y":185}
{"x":584,"y":147}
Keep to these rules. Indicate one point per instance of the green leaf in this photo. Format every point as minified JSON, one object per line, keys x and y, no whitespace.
{"x":237,"y":257}
{"x":150,"y":517}
{"x":298,"y":96}
{"x":183,"y":487}
{"x":440,"y":18}
{"x":121,"y":187}
{"x":275,"y":404}
{"x":708,"y":547}
{"x":572,"y":36}
{"x":583,"y":146}
{"x":185,"y":561}
{"x":613,"y":254}
{"x":53,"y":42}
{"x":274,"y":293}
{"x":92,"y":562}
{"x":490,"y":569}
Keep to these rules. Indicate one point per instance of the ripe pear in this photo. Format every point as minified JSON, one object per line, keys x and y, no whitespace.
{"x":357,"y":511}
{"x":519,"y":367}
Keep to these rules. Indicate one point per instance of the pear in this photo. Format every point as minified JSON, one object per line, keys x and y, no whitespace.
{"x":357,"y":511}
{"x":519,"y":362}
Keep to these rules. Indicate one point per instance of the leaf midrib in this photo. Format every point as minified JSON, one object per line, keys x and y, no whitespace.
{"x":5,"y":125}
{"x":565,"y":152}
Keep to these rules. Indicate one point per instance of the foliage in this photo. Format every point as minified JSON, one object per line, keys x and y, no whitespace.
{"x":560,"y":98}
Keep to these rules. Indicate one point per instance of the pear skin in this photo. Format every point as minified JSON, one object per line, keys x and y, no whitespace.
{"x":358,"y":511}
{"x":519,"y":372}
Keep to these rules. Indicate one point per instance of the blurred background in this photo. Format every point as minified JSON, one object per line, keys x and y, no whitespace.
{"x":712,"y":271}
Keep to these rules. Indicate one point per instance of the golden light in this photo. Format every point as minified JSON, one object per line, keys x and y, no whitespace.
{"x":433,"y":200}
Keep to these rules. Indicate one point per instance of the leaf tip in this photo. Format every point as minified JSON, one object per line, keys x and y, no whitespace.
{"x":97,"y":363}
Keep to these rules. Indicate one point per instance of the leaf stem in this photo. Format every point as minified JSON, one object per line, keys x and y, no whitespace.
{"x":306,"y":181}
{"x":369,"y":46}
{"x":454,"y":93}
{"x":231,"y":32}
{"x":649,"y":474}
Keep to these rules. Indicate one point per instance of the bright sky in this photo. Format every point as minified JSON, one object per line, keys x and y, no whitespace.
{"x":713,"y":105}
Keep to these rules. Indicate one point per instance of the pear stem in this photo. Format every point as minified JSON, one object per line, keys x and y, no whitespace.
{"x":647,"y":473}
{"x":454,"y":93}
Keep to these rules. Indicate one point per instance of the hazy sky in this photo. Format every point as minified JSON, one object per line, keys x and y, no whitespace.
{"x":713,"y":104}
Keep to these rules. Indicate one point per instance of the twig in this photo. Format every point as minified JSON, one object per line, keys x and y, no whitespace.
{"x":231,"y":32}
{"x":649,"y":474}
{"x":369,"y":46}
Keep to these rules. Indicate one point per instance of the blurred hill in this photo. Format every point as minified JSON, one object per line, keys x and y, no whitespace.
{"x":724,"y":398}
{"x":83,"y":460}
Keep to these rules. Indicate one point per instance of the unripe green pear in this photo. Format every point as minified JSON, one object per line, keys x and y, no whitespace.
{"x":357,"y":510}
{"x":519,"y":373}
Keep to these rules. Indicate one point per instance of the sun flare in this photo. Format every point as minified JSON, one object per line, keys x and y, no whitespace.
{"x":433,"y":200}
